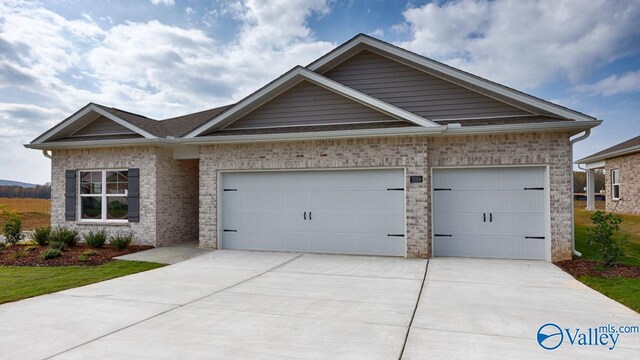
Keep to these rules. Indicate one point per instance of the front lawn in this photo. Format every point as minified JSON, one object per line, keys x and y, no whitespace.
{"x":622,"y":289}
{"x":20,"y":282}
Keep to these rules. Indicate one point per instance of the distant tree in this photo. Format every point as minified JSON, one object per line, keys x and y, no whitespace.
{"x":37,"y":192}
{"x":580,"y":181}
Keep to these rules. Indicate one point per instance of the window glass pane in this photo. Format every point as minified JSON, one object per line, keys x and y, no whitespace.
{"x":117,"y":207}
{"x":117,"y":182}
{"x":90,"y":182}
{"x":615,"y":176}
{"x":91,"y":207}
{"x":616,"y":191}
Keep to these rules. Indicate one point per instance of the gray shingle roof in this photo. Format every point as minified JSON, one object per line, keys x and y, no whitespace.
{"x":614,"y":150}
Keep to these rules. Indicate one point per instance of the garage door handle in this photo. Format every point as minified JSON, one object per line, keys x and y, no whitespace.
{"x":490,"y":217}
{"x":305,"y":215}
{"x":309,"y":215}
{"x":484,"y":217}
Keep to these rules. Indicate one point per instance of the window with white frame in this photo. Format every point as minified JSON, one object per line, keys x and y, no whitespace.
{"x":103,"y":195}
{"x":615,"y":184}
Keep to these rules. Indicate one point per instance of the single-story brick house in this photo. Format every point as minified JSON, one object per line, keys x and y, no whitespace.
{"x":621,"y":164}
{"x":371,"y":149}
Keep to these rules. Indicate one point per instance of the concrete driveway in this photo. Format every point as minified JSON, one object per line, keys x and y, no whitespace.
{"x":247,"y":305}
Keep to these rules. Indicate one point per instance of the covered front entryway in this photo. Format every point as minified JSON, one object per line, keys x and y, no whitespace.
{"x":322,"y":211}
{"x":492,"y":212}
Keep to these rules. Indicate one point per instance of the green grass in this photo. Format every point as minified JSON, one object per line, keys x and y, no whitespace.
{"x":630,"y":225}
{"x":18,"y":282}
{"x":623,"y":290}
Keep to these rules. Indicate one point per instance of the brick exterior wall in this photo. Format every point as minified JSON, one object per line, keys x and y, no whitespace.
{"x":177,"y":199}
{"x":407,"y":152}
{"x":417,"y":155}
{"x":174,"y":222}
{"x":629,"y":166}
{"x":552,"y":149}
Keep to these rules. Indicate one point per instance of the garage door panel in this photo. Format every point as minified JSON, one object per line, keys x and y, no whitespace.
{"x":330,"y":243}
{"x":512,"y":202}
{"x":352,"y":211}
{"x":487,"y":201}
{"x":490,"y":246}
{"x":489,"y":178}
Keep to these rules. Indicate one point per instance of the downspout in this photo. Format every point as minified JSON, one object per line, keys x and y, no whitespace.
{"x":573,"y":224}
{"x":46,"y":154}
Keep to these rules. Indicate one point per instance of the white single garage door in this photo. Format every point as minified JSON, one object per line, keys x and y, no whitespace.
{"x":490,"y":212}
{"x":337,"y":211}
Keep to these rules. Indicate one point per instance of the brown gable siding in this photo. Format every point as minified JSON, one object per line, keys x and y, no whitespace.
{"x":308,"y":104}
{"x":102,"y":126}
{"x":416,"y":91}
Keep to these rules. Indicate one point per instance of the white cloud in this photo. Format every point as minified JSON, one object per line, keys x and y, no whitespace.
{"x":189,"y":10}
{"x":612,"y":85}
{"x":159,"y":70}
{"x":524,"y":43}
{"x":163,"y":2}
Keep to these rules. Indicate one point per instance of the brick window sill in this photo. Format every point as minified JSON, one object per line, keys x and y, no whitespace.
{"x":101,"y":223}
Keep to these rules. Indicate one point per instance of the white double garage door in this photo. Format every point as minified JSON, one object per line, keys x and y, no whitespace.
{"x":477,"y":212}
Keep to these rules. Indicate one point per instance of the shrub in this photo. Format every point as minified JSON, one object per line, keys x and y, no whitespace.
{"x":87,"y":254}
{"x":95,"y":239}
{"x":51,"y":254}
{"x":68,"y":237}
{"x":31,"y":248}
{"x":58,"y":245}
{"x":13,"y":228}
{"x":610,"y":248}
{"x":121,"y":241}
{"x":18,"y":255}
{"x":41,"y":235}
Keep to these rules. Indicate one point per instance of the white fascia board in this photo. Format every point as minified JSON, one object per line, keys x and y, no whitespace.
{"x":593,"y":165}
{"x":455,"y":74}
{"x":535,"y":127}
{"x":315,"y":135}
{"x":366,"y":100}
{"x":89,"y":108}
{"x":99,"y":143}
{"x":305,"y":74}
{"x":608,"y":155}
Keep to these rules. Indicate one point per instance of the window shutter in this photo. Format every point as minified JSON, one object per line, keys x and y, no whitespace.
{"x":133,"y":198}
{"x":70,"y":195}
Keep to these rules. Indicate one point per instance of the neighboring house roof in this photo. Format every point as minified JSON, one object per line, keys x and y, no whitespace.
{"x":624,"y":148}
{"x":518,"y":111}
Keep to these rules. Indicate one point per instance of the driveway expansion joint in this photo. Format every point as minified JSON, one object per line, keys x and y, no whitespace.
{"x":172,"y":309}
{"x":415,"y":309}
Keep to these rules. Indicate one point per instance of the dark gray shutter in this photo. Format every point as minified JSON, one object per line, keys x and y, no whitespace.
{"x":133,"y":199}
{"x":70,"y":195}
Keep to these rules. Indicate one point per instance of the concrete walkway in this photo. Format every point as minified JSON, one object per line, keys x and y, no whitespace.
{"x":167,"y":254}
{"x":246,"y":305}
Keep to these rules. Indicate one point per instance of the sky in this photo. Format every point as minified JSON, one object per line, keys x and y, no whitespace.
{"x":164,"y":58}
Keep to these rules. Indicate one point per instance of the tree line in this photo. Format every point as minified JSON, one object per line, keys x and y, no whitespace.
{"x":37,"y":192}
{"x":580,"y":181}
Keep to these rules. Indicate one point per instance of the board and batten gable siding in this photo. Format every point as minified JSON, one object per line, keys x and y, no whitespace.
{"x":103,"y":126}
{"x":416,"y":91}
{"x":308,"y":104}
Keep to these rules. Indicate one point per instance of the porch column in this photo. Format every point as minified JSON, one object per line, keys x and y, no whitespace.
{"x":591,"y":198}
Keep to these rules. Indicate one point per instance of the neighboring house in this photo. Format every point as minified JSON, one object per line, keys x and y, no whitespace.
{"x":621,"y":164}
{"x":370,"y":149}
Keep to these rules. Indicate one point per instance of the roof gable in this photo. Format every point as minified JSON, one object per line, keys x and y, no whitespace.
{"x":445,"y":72}
{"x":307,"y":104}
{"x":86,"y":116}
{"x":417,"y":91}
{"x":289,"y":80}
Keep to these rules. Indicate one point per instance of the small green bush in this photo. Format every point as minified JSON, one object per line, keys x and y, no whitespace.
{"x":31,"y":248}
{"x":41,"y":235}
{"x":13,"y":228}
{"x":18,"y":255}
{"x":95,"y":239}
{"x":121,"y":241}
{"x":87,"y":254}
{"x":51,"y":254}
{"x":69,"y":237}
{"x":602,"y":236}
{"x":58,"y":245}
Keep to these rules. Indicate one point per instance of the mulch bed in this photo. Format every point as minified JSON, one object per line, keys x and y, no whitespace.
{"x":29,"y":255}
{"x":578,"y":268}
